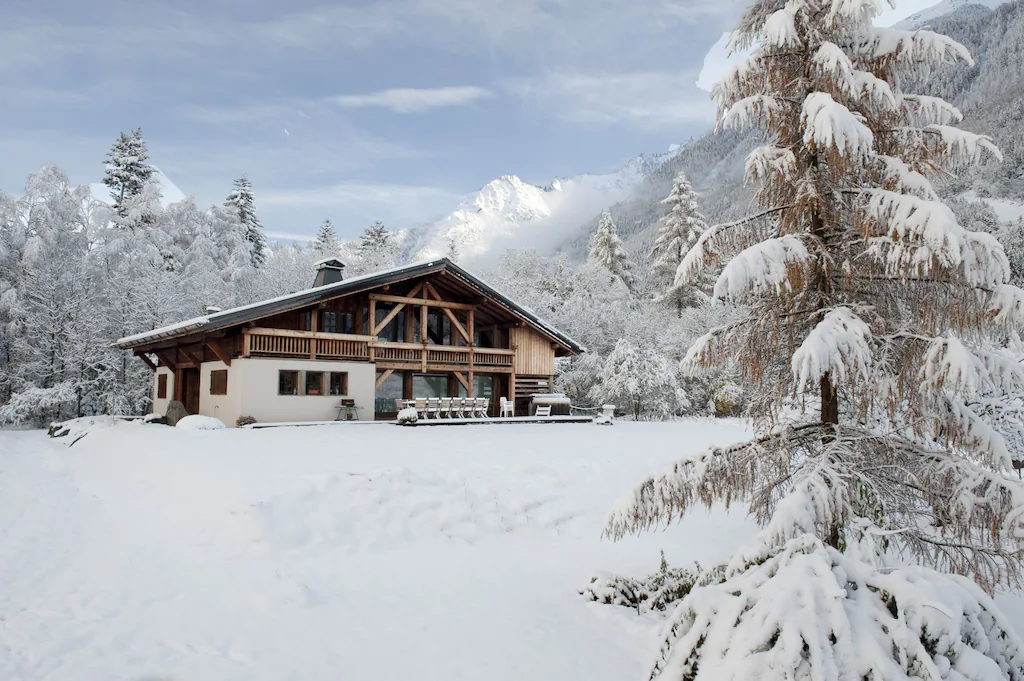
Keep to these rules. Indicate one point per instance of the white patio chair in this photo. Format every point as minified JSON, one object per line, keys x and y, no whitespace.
{"x":543,"y":410}
{"x":508,"y":407}
{"x":457,"y":405}
{"x":483,"y":404}
{"x":433,"y":407}
{"x":446,"y":407}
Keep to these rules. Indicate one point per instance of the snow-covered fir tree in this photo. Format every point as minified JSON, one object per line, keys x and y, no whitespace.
{"x":874,"y":384}
{"x":452,"y":253}
{"x":326,"y":242}
{"x":241,"y":200}
{"x":377,"y":249}
{"x":680,"y":228}
{"x":127,"y":171}
{"x":606,"y":250}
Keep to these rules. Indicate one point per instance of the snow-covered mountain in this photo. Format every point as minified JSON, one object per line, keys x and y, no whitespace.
{"x":509,"y":212}
{"x":168,"y":190}
{"x":941,"y":9}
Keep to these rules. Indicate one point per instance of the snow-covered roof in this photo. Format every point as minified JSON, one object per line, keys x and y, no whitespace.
{"x":264,"y":308}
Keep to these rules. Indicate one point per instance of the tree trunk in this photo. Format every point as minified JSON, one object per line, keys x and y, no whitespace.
{"x":829,"y":401}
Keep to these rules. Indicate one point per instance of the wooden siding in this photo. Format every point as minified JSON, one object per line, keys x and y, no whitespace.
{"x":534,"y":354}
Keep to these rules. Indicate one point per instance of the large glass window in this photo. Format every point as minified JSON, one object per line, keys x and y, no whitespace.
{"x":339,"y":383}
{"x":387,"y":392}
{"x":314,"y":383}
{"x":288,"y":383}
{"x":330,"y":322}
{"x":429,"y":385}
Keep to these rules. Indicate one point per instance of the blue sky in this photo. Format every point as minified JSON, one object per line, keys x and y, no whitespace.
{"x":354,"y":110}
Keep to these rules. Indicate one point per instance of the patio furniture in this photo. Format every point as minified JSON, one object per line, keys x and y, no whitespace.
{"x":446,"y":407}
{"x":400,"y":404}
{"x":347,"y":411}
{"x":420,"y":404}
{"x":480,"y":407}
{"x":433,"y":407}
{"x":543,"y":410}
{"x":508,"y":407}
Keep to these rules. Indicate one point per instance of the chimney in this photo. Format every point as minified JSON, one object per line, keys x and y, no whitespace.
{"x":328,"y":271}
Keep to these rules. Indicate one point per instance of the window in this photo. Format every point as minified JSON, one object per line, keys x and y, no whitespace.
{"x":161,"y":387}
{"x":308,"y":321}
{"x":288,"y":383}
{"x":348,"y":323}
{"x":314,"y":383}
{"x":330,"y":324}
{"x":339,"y":383}
{"x":219,"y":382}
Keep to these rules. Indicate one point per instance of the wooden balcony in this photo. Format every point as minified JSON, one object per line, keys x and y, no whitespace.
{"x":261,"y":342}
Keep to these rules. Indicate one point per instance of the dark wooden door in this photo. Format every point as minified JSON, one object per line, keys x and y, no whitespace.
{"x":190,"y":390}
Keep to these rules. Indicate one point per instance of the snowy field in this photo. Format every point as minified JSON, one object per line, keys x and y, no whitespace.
{"x":334,"y":552}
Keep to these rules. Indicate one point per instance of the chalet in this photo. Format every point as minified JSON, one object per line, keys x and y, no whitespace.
{"x":425,"y":330}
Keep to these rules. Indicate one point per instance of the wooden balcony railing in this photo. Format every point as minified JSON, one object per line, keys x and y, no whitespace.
{"x":260,"y":342}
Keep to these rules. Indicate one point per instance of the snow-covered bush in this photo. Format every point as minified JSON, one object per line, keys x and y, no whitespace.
{"x":808,"y":611}
{"x":243,"y":421}
{"x":408,"y":416}
{"x":200,"y":422}
{"x":728,"y":399}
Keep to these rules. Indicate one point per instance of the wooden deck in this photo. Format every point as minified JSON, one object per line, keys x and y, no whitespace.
{"x":507,"y":419}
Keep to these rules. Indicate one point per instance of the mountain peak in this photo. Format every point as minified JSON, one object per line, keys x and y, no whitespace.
{"x":500,"y":212}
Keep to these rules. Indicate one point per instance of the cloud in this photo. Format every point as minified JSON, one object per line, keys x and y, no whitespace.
{"x":414,"y":100}
{"x":352,"y":205}
{"x":358,"y":192}
{"x":648,"y":100}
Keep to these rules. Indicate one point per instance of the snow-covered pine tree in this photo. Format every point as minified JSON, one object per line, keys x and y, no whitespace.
{"x":680,"y":229}
{"x":867,"y":305}
{"x":242,"y":201}
{"x":326,"y":242}
{"x":127,"y":171}
{"x":376,"y":249}
{"x":453,"y":250}
{"x":606,"y":249}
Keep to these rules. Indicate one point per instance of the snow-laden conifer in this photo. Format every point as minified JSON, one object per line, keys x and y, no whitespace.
{"x":377,"y":249}
{"x":606,"y":249}
{"x":127,"y":171}
{"x":326,"y":242}
{"x":680,"y":228}
{"x":865,"y":348}
{"x":242,"y":201}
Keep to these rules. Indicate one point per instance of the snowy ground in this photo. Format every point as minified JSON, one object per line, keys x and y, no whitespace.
{"x":334,"y":552}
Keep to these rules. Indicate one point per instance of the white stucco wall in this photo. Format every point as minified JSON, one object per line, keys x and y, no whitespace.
{"x":258,"y":379}
{"x":160,"y":406}
{"x":228,"y":407}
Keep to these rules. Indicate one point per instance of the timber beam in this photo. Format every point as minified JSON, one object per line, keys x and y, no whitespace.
{"x":378,"y":297}
{"x":217,"y":350}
